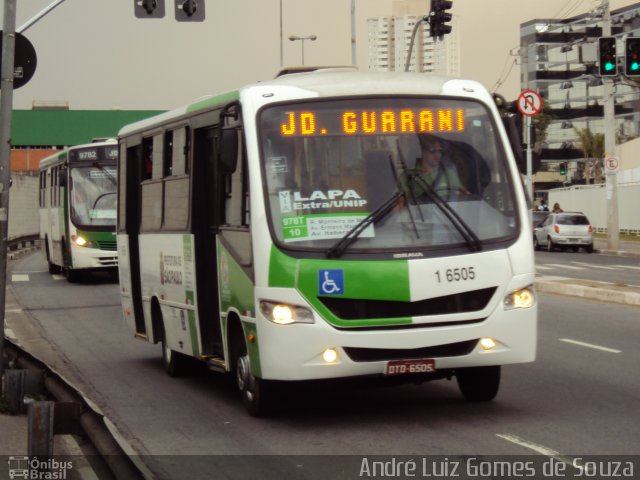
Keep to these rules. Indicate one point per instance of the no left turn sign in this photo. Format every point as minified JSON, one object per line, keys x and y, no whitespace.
{"x":529,"y":103}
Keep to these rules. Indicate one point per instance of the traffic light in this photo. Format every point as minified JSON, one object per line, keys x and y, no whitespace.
{"x":632,"y":56}
{"x":149,"y":8}
{"x":189,"y":10}
{"x":563,"y":168}
{"x":607,"y":56}
{"x":439,"y":17}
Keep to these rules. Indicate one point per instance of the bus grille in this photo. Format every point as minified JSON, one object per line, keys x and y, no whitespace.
{"x":111,"y":245}
{"x":108,"y":261}
{"x":380,"y":354}
{"x":355,"y":309}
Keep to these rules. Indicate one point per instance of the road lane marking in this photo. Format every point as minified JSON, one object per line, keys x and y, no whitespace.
{"x":590,"y":345}
{"x":12,"y":310}
{"x":19,"y":278}
{"x":626,"y":266}
{"x":541,"y":449}
{"x":591,"y":265}
{"x":558,"y":265}
{"x":31,"y":271}
{"x":58,"y":277}
{"x":544,"y":267}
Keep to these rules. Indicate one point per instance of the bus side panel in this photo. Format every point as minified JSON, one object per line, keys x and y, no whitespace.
{"x":124,"y":273}
{"x":167,"y":272}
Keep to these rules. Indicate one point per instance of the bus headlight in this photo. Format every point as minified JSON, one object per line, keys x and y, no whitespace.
{"x":523,"y":298}
{"x":284,"y":314}
{"x":80,"y":241}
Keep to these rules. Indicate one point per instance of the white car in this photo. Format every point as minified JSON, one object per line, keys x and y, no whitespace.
{"x":566,"y":229}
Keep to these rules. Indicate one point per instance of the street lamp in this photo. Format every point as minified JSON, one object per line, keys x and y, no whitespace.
{"x":293,"y":38}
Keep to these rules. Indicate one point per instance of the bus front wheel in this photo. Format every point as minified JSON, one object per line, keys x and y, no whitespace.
{"x":254,"y":391}
{"x":479,"y":384}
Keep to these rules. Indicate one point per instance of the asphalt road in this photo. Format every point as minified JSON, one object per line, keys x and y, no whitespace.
{"x":580,"y":397}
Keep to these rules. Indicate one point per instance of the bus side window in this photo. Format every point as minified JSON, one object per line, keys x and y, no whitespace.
{"x":236,"y":201}
{"x":147,"y":165}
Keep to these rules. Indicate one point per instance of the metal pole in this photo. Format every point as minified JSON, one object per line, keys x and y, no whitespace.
{"x":6,"y":107}
{"x":353,"y":32}
{"x":38,"y":16}
{"x":281,"y":45}
{"x":413,"y":37}
{"x":611,"y":180}
{"x":529,"y":157}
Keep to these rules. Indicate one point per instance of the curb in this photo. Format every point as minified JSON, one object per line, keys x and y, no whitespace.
{"x":602,"y":291}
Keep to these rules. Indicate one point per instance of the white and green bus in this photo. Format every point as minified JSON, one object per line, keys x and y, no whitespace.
{"x":280,"y":233}
{"x":77,"y":201}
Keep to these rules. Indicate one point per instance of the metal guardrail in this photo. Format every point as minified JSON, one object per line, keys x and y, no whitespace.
{"x":70,"y":411}
{"x":23,"y":241}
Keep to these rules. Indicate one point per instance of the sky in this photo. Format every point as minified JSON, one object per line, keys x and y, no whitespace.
{"x":95,"y":54}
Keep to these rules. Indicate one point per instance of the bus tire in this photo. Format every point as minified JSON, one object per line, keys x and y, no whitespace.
{"x":73,"y":275}
{"x":479,"y":384}
{"x":176,"y":364}
{"x":255,"y":391}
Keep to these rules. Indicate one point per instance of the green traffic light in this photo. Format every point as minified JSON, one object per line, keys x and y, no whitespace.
{"x":610,"y":66}
{"x":635,"y":66}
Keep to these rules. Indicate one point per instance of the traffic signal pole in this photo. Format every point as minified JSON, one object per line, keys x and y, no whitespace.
{"x":6,"y":107}
{"x":611,"y":180}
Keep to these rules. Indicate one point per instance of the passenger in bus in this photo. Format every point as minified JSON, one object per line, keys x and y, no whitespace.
{"x":433,"y":171}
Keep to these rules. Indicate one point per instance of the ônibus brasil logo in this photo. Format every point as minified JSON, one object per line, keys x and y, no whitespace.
{"x":38,"y":469}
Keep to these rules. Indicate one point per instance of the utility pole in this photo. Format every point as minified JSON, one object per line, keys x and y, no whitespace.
{"x":611,"y":178}
{"x":353,"y":32}
{"x":6,"y":107}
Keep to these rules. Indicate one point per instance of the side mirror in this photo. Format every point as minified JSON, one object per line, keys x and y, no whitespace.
{"x":62,"y":177}
{"x":228,"y":150}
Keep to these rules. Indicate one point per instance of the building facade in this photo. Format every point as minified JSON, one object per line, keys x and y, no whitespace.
{"x":389,"y":39}
{"x":559,"y":60}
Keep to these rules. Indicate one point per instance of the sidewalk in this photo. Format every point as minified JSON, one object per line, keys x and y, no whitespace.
{"x":594,"y":290}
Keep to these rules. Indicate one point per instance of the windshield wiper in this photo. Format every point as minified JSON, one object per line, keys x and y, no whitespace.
{"x":470,"y":237}
{"x":106,"y":172}
{"x":341,"y":245}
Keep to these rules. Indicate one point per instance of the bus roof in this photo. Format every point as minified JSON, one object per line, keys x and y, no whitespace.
{"x":325,"y":82}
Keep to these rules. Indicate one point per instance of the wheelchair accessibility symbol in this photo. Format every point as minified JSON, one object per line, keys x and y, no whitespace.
{"x":331,"y":282}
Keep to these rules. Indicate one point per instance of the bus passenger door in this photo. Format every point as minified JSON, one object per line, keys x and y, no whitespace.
{"x":130,"y":178}
{"x":206,"y":211}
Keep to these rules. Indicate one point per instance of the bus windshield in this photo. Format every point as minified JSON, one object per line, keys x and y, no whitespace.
{"x":432,"y":170}
{"x":93,"y":195}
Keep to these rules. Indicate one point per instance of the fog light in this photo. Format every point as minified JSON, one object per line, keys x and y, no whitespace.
{"x":487,"y":343}
{"x":330,"y":355}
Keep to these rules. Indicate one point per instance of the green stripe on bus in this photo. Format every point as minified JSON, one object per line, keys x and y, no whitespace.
{"x":193,"y":332}
{"x":216,"y":100}
{"x":281,"y":269}
{"x":363,"y":280}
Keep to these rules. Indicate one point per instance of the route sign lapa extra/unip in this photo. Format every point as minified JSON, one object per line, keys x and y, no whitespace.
{"x":25,"y":60}
{"x":529,"y":103}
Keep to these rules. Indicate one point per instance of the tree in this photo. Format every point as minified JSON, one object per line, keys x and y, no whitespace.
{"x":592,"y":145}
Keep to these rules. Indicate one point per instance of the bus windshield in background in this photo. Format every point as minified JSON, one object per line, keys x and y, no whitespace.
{"x":329,"y":164}
{"x":93,"y":186}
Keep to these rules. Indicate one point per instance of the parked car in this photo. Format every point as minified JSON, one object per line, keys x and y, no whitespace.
{"x":566,"y":229}
{"x":538,"y":216}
